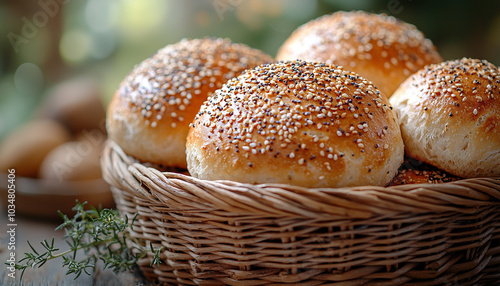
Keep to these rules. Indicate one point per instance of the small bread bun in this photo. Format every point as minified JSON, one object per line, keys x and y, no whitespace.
{"x":77,"y":104}
{"x":25,"y":149}
{"x":150,"y":113}
{"x":73,"y":161}
{"x":299,"y":123}
{"x":421,"y":173}
{"x":450,"y":117}
{"x":380,"y":48}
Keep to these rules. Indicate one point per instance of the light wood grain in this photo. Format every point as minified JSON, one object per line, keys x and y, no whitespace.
{"x":52,"y":273}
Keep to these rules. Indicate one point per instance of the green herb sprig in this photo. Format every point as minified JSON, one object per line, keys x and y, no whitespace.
{"x":101,"y":234}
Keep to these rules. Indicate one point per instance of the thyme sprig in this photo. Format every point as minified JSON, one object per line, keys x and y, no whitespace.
{"x":101,"y":234}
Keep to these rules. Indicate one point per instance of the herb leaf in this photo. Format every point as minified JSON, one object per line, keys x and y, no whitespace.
{"x":101,"y":234}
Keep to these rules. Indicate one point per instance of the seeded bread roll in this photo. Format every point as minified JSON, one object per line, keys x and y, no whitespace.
{"x":450,"y":117}
{"x":411,"y":176}
{"x":380,"y":48}
{"x":417,"y":172}
{"x":150,"y":113}
{"x":299,"y":123}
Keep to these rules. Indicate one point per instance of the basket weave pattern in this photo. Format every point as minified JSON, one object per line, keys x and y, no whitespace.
{"x":228,"y":233}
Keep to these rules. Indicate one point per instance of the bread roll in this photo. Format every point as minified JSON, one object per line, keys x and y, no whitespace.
{"x":25,"y":149}
{"x":380,"y":48}
{"x":75,"y":103}
{"x":299,"y":123}
{"x":450,"y":117}
{"x":150,"y":113}
{"x":420,"y":173}
{"x":73,"y":161}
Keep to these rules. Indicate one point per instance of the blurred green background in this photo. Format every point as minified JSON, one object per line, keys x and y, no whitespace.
{"x":46,"y":42}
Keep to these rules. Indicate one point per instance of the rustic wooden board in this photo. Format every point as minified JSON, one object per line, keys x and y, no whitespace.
{"x":35,"y":230}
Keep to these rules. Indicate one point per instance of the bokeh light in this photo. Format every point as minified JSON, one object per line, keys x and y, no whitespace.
{"x":75,"y":47}
{"x":137,"y":17}
{"x":28,"y":78}
{"x":101,"y":16}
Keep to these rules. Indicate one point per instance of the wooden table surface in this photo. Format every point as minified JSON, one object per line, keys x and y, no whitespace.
{"x":52,"y":273}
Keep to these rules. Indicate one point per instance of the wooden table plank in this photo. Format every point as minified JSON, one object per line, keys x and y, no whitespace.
{"x":52,"y":273}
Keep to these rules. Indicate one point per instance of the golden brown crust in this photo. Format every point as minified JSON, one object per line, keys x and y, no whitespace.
{"x":300,"y":123}
{"x":150,"y":113}
{"x":378,"y":47}
{"x":417,"y":172}
{"x":450,"y":114}
{"x":25,"y":148}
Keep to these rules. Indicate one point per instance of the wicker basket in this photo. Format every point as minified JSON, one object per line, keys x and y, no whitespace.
{"x":228,"y":233}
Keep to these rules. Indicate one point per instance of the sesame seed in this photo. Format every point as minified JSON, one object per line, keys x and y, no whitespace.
{"x":170,"y":83}
{"x":268,"y":117}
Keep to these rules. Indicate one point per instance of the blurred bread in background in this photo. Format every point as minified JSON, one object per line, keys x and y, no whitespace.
{"x":25,"y":149}
{"x":73,"y":161}
{"x":76,"y":103}
{"x":64,"y":139}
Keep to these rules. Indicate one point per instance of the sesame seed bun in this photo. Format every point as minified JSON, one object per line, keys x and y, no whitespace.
{"x":299,"y":123}
{"x":417,"y":172}
{"x":450,"y":117}
{"x":380,"y":48}
{"x":150,"y":112}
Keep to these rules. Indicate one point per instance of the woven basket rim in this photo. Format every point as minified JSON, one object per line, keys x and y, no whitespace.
{"x":148,"y":183}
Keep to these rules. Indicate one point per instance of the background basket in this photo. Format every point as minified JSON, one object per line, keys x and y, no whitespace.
{"x":228,"y":233}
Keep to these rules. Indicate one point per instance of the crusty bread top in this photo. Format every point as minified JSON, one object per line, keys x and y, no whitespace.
{"x":150,"y":113}
{"x":450,"y":116}
{"x":296,"y":122}
{"x":378,"y":47}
